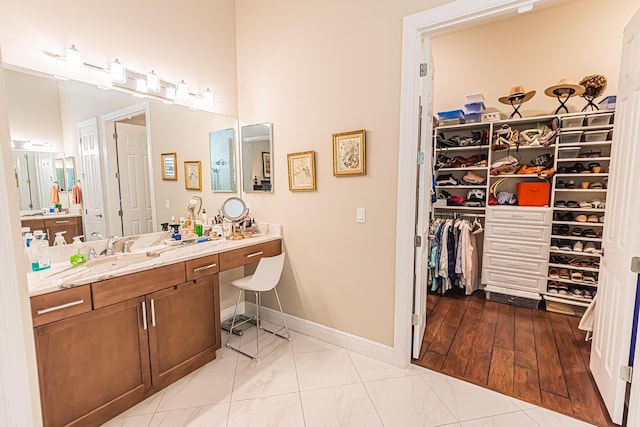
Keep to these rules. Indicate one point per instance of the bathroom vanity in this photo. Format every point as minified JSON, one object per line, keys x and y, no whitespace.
{"x":118,"y":329}
{"x":55,"y":223}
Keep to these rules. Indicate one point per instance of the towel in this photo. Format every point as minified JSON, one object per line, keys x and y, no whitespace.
{"x":76,"y":195}
{"x":54,"y":194}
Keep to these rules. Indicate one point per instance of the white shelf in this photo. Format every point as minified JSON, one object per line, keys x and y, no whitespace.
{"x":583,"y":175}
{"x":571,"y":282}
{"x":461,"y":208}
{"x":581,"y":210}
{"x":467,"y":148}
{"x":582,"y":190}
{"x":515,"y":175}
{"x":465,"y":126}
{"x":579,"y":224}
{"x":470,"y":168}
{"x":568,"y":299}
{"x":460,"y":186}
{"x":571,"y":267}
{"x":584,"y":159}
{"x":588,"y":254}
{"x":585,"y":143}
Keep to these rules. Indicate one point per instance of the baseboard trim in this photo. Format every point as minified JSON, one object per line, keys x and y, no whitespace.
{"x":366,"y":347}
{"x":227,"y":313}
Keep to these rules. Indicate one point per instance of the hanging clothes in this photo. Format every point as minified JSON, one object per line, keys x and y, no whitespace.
{"x":54,"y":194}
{"x":453,"y":260}
{"x":76,"y":195}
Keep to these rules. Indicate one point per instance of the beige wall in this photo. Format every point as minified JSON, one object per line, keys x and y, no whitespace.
{"x":536,"y":50}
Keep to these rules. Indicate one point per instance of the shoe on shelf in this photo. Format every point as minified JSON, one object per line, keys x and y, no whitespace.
{"x":572,"y":204}
{"x":581,"y":218}
{"x":589,"y":248}
{"x":584,"y":184}
{"x":565,"y":245}
{"x":596,"y":185}
{"x":553,"y":273}
{"x":576,"y":276}
{"x":590,"y":233}
{"x":593,"y":218}
{"x":577,"y":232}
{"x":555,"y":245}
{"x":577,"y":246}
{"x":552,"y":288}
{"x":576,"y":292}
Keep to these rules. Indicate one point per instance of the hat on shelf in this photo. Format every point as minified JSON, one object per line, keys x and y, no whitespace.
{"x":517,"y":94}
{"x":565,"y":88}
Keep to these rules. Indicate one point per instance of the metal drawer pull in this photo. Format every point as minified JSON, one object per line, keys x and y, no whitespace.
{"x":205,"y":267}
{"x":59,"y":307}
{"x":153,"y":314}
{"x":254,"y":254}
{"x":144,"y":315}
{"x":62,"y":222}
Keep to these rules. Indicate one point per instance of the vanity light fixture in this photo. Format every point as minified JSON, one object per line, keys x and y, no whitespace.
{"x":525,"y":8}
{"x":118,"y":72}
{"x":141,"y":85}
{"x":207,"y":97}
{"x":73,"y":56}
{"x":182,"y":91}
{"x":153,"y":82}
{"x":170,"y":93}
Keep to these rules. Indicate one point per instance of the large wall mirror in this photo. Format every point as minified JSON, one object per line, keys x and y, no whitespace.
{"x":257,"y":165}
{"x":123,"y":192}
{"x":222,"y":147}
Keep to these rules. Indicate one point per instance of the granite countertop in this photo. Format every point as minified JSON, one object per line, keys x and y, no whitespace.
{"x":48,"y":216}
{"x":145,"y":255}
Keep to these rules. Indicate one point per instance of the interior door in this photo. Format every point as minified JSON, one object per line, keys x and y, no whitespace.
{"x":616,"y":289}
{"x":423,"y":196}
{"x":91,"y":184}
{"x":133,"y":167}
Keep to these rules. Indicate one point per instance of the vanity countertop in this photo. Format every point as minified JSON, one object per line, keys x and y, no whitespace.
{"x":63,"y":275}
{"x":49,"y":216}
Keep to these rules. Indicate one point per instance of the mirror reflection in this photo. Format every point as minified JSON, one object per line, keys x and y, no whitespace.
{"x":223,"y":161}
{"x":256,"y":157}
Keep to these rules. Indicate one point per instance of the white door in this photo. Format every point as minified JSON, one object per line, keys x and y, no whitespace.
{"x":424,"y":206}
{"x":616,"y":289}
{"x":133,"y":165}
{"x":91,"y":183}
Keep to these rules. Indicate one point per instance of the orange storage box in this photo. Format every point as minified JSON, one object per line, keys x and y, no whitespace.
{"x":533,"y":193}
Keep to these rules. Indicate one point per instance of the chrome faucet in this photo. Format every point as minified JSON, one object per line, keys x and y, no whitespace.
{"x":127,"y":246}
{"x":98,"y":235}
{"x":112,"y":240}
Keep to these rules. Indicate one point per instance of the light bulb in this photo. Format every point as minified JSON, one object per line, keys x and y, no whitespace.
{"x":118,"y":72}
{"x":207,"y":97}
{"x":153,"y":82}
{"x":170,"y":93}
{"x":74,"y":57}
{"x":141,"y":85}
{"x":182,"y":90}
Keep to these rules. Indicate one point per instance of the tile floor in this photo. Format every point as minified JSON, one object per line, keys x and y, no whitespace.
{"x":310,"y":383}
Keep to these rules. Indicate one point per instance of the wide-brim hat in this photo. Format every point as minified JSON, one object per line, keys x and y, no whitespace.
{"x":517,"y":94}
{"x":563,"y":88}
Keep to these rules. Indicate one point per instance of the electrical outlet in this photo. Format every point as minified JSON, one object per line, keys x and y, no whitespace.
{"x":167,"y":204}
{"x":360,"y":215}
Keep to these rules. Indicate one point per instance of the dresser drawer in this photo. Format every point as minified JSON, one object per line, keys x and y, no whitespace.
{"x":64,"y":221}
{"x":201,"y":267}
{"x":111,"y":291}
{"x":529,"y":250}
{"x":535,"y":267}
{"x":58,"y":305}
{"x":33,"y":224}
{"x":248,"y":255}
{"x":520,"y":215}
{"x":513,"y":281}
{"x":516,"y":234}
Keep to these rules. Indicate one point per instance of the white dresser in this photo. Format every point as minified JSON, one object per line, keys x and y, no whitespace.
{"x":516,"y":253}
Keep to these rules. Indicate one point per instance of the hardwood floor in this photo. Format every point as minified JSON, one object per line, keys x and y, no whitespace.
{"x":533,"y":355}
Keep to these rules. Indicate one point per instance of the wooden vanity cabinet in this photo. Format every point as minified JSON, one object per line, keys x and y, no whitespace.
{"x":93,"y":366}
{"x":184,"y":329}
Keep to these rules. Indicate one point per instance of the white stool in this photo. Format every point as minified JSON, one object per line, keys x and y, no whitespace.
{"x":265,"y":278}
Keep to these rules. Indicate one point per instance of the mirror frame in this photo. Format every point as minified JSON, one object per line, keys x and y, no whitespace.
{"x":224,"y":209}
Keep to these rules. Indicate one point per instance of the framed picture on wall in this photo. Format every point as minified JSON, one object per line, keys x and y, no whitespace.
{"x":169,"y":171}
{"x":266,"y":164}
{"x":349,"y":149}
{"x":193,"y":175}
{"x":302,"y":171}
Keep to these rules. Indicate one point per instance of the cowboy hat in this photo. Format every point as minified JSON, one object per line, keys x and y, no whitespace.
{"x":565,"y":87}
{"x":517,"y":94}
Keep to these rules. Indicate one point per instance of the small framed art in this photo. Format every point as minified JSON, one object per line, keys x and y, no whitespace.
{"x":302,"y":171}
{"x":169,"y":171}
{"x":266,"y":164}
{"x":349,"y":153}
{"x":193,"y":175}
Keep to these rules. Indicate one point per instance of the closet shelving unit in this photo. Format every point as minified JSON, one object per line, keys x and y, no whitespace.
{"x":585,"y":139}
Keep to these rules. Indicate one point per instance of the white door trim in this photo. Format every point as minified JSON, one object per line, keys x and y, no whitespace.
{"x":123,"y":113}
{"x":415,"y":27}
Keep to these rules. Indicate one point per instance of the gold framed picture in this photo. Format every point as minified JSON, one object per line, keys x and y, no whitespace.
{"x":349,"y":153}
{"x":193,"y":175}
{"x":169,"y":170}
{"x":302,"y":171}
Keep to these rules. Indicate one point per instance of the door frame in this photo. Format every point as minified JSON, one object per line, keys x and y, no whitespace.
{"x":114,"y":116}
{"x":456,"y":14}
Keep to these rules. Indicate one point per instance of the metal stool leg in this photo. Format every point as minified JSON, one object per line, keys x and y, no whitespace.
{"x":233,"y":321}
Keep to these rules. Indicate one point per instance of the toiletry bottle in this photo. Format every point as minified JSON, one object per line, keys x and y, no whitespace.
{"x":176,"y":232}
{"x":204,"y":216}
{"x":59,"y":240}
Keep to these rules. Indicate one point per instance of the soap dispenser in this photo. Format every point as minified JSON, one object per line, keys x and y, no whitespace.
{"x":59,"y":240}
{"x":78,"y":257}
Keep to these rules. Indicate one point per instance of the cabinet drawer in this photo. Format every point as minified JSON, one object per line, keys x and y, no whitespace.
{"x":520,"y":215}
{"x":33,"y":224}
{"x":64,"y":222}
{"x":59,"y":305}
{"x":111,"y":291}
{"x":515,"y":248}
{"x":201,"y":267}
{"x":516,"y":234}
{"x":248,"y":255}
{"x":512,"y":281}
{"x":512,"y":264}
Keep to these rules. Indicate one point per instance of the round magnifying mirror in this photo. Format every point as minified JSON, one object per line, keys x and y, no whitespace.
{"x":234,"y":209}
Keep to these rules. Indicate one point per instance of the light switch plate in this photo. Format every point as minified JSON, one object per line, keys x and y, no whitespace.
{"x":167,"y":204}
{"x":360,"y":215}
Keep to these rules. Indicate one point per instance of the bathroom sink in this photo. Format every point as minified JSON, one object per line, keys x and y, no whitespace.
{"x":114,"y":262}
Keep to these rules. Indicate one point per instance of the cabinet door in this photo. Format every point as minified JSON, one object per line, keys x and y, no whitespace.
{"x":93,"y":366}
{"x":184,"y":329}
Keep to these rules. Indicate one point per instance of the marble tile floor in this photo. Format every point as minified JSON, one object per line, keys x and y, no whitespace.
{"x":307,"y":382}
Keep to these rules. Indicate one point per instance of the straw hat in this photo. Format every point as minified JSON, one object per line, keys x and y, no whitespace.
{"x":517,"y":93}
{"x":565,"y":87}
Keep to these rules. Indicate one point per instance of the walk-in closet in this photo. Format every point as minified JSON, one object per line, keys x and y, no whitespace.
{"x":522,"y":148}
